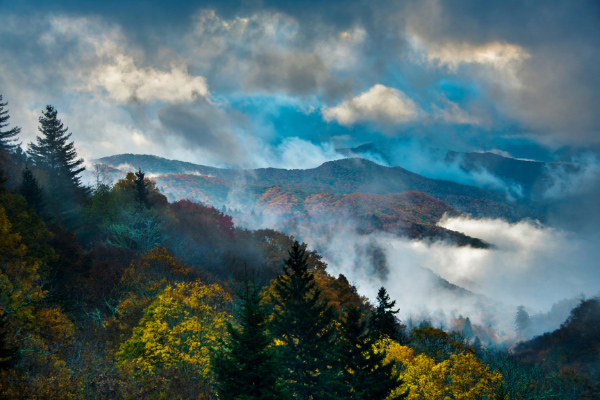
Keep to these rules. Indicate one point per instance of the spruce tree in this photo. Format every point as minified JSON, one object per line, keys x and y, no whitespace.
{"x":141,"y":190}
{"x":364,"y":373}
{"x":383,"y":321}
{"x":31,"y":190}
{"x":57,"y":157}
{"x":8,"y":138}
{"x":246,"y":366}
{"x":468,"y":330}
{"x":54,"y":153}
{"x":304,"y":322}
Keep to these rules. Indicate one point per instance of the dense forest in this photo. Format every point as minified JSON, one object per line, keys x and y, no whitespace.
{"x":113,"y":292}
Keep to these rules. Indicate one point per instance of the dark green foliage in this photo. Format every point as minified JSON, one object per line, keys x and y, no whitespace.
{"x":3,"y":180}
{"x":8,"y":138}
{"x":438,"y":344}
{"x":246,"y":366}
{"x":304,"y":322}
{"x":523,"y":381}
{"x":8,"y":352}
{"x":364,"y":375}
{"x":383,"y":321}
{"x":69,"y":269}
{"x":31,"y":190}
{"x":574,"y":347}
{"x":141,"y":190}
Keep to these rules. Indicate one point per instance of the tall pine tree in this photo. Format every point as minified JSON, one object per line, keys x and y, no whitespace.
{"x":53,"y":152}
{"x":364,"y":373}
{"x":383,"y":321}
{"x":57,"y":157}
{"x":8,"y":137}
{"x":246,"y":367}
{"x":304,"y":322}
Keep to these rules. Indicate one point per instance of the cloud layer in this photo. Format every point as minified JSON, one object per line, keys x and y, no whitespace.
{"x":463,"y":74}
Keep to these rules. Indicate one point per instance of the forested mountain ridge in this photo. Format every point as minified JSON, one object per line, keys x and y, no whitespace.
{"x":529,"y":178}
{"x":348,"y":176}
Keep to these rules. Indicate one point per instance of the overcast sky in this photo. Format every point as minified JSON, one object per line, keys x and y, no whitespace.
{"x":266,"y":83}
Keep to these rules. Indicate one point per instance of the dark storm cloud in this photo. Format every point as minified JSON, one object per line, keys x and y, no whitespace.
{"x":560,"y":86}
{"x":549,"y":91}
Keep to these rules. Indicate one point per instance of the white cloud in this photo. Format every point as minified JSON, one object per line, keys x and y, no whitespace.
{"x":380,"y":104}
{"x":530,"y":264}
{"x":124,"y":82}
{"x":496,"y":54}
{"x":504,"y":59}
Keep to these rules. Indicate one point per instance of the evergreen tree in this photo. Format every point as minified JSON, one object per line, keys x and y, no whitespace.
{"x":246,"y":367}
{"x":383,"y":321}
{"x":57,"y":157}
{"x":31,"y":190}
{"x":141,"y":190}
{"x":304,"y":322}
{"x":8,"y":138}
{"x":478,"y":346}
{"x":522,"y":321}
{"x":54,"y":153}
{"x":364,"y":374}
{"x":468,"y":330}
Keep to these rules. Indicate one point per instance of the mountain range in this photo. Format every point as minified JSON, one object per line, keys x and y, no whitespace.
{"x":530,"y":178}
{"x":375,"y":197}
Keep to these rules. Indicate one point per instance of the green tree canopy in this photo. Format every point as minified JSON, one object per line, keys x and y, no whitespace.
{"x":383,"y":321}
{"x":364,"y":372}
{"x":304,"y":322}
{"x":246,"y":366}
{"x":31,"y":190}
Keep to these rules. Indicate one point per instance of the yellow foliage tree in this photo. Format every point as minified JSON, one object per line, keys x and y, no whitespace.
{"x":145,"y":278}
{"x":19,"y":281}
{"x":178,"y":329}
{"x":40,"y":332}
{"x":460,"y":377}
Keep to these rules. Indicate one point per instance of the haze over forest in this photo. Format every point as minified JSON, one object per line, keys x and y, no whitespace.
{"x":448,"y":152}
